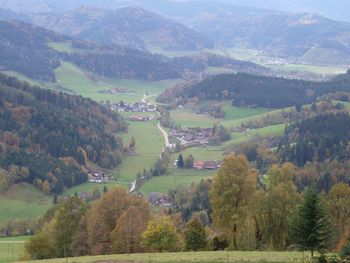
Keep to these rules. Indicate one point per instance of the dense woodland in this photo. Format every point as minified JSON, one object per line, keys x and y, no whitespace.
{"x":255,"y":91}
{"x":46,"y":137}
{"x":317,"y":139}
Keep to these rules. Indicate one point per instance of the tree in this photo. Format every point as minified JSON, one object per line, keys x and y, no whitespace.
{"x":339,"y":209}
{"x":277,"y":205}
{"x":130,"y":226}
{"x":64,"y":223}
{"x":310,"y":228}
{"x":132,"y":143}
{"x":105,"y":189}
{"x":189,"y":161}
{"x":231,"y":193}
{"x":180,"y":161}
{"x":160,"y":234}
{"x":195,"y":236}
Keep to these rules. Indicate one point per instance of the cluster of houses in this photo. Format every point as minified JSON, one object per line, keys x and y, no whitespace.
{"x":141,"y":118}
{"x":191,"y":136}
{"x":206,"y":165}
{"x":134,"y":107}
{"x":99,"y":177}
{"x":117,"y":91}
{"x":159,"y":199}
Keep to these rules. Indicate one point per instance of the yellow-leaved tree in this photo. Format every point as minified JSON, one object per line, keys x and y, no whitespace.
{"x":232,"y":192}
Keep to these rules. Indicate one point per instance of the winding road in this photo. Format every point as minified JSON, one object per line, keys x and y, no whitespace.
{"x":164,"y":133}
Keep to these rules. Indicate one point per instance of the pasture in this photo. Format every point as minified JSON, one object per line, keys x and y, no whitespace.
{"x":11,"y":249}
{"x":175,"y":178}
{"x":90,"y":85}
{"x":23,"y":201}
{"x":193,"y":257}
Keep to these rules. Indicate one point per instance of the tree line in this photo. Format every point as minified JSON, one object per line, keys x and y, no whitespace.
{"x":237,"y":210}
{"x":255,"y":91}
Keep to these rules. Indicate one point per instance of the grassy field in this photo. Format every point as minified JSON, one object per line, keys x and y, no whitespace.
{"x":322,"y":70}
{"x":149,"y":145}
{"x":175,"y":178}
{"x":65,"y":47}
{"x":75,"y":79}
{"x":234,"y":116}
{"x":23,"y":201}
{"x":194,"y":257}
{"x":11,"y":249}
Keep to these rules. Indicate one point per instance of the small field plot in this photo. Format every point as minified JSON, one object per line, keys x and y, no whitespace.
{"x":66,"y":47}
{"x":234,"y":116}
{"x":23,"y":201}
{"x":322,"y":70}
{"x":149,"y":145}
{"x":195,"y":257}
{"x":11,"y":249}
{"x":97,"y":88}
{"x":163,"y":184}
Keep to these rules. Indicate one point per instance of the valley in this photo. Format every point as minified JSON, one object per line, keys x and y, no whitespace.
{"x":173,"y":131}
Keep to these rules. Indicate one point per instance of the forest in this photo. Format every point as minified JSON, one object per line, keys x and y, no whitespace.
{"x":255,"y":91}
{"x":47,"y":138}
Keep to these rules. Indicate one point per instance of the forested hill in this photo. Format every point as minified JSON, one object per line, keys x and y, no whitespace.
{"x":261,"y":91}
{"x":130,"y":26}
{"x":317,"y":139}
{"x":23,"y":48}
{"x":46,"y":138}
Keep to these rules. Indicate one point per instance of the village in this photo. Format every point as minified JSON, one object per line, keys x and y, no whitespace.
{"x":141,"y":106}
{"x":191,"y":137}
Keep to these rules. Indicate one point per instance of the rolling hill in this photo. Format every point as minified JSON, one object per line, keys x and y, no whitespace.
{"x":47,"y":138}
{"x":257,"y":91}
{"x":131,"y":27}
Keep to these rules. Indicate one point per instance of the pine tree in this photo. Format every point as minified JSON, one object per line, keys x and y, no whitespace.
{"x":310,"y":228}
{"x":180,"y":161}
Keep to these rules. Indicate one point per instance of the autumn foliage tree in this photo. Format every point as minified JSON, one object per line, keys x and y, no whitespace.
{"x":231,"y":194}
{"x":160,"y":234}
{"x":195,"y":236}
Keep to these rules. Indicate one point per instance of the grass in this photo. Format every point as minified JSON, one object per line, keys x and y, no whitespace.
{"x":23,"y":201}
{"x":322,"y":70}
{"x":75,"y":79}
{"x":175,"y":178}
{"x":234,"y":116}
{"x":65,"y":47}
{"x":11,"y":249}
{"x":194,"y":257}
{"x":149,"y":144}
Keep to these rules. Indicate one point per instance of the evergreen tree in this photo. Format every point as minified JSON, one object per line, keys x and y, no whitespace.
{"x":180,"y":161}
{"x":195,"y":236}
{"x":105,"y":189}
{"x":310,"y":228}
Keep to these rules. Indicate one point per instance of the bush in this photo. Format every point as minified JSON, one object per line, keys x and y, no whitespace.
{"x":345,"y":252}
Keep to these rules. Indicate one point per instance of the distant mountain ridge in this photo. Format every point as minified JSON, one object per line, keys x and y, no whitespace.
{"x":132,"y":27}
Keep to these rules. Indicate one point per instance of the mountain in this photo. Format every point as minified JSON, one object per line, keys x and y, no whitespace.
{"x":131,"y":27}
{"x":6,"y":14}
{"x":48,"y":138}
{"x":256,"y":91}
{"x":23,"y":48}
{"x":303,"y":37}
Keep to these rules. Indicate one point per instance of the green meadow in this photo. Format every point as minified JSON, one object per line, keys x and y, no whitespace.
{"x":193,"y":257}
{"x":23,"y":201}
{"x":90,"y":85}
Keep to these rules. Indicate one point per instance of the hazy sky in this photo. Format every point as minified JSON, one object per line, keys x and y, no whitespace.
{"x":339,"y":9}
